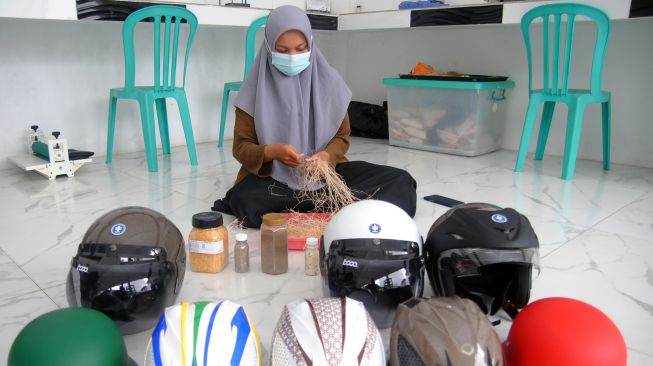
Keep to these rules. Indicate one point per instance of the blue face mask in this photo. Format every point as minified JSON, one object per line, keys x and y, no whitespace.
{"x":291,"y":65}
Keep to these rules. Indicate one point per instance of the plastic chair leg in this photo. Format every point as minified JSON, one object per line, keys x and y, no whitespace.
{"x":572,"y":139}
{"x":188,"y":128}
{"x":162,"y":115}
{"x":149,"y":137}
{"x":547,"y":116}
{"x":223,"y":113}
{"x":605,"y":114}
{"x":527,"y":132}
{"x":111,"y":126}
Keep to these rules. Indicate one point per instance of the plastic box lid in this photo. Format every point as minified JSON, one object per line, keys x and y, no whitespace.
{"x":449,"y":84}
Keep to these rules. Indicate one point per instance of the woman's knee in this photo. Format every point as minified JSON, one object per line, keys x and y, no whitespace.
{"x":405,"y":179}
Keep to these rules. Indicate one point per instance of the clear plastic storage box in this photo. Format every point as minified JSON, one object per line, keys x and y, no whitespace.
{"x":453,"y":117}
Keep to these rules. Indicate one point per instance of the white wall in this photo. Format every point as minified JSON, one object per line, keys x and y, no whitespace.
{"x":57,"y":74}
{"x":39,"y":9}
{"x":499,"y":50}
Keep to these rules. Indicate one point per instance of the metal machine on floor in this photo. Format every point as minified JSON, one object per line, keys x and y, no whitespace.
{"x":51,"y":158}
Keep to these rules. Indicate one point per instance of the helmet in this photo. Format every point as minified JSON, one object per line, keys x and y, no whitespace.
{"x":130,"y":265}
{"x":561,"y":331}
{"x":443,"y":331}
{"x":70,"y":337}
{"x":204,"y":333}
{"x":326,"y":331}
{"x":485,"y":253}
{"x":372,"y":253}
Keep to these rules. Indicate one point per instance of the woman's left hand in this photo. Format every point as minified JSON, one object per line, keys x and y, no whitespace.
{"x":322,"y":155}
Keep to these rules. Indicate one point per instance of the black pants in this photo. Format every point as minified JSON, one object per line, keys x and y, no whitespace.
{"x":253,"y":196}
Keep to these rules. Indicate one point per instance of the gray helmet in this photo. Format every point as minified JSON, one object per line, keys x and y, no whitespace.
{"x":130,"y":265}
{"x":443,"y":331}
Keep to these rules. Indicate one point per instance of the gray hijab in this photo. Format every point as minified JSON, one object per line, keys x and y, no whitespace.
{"x":305,"y":110}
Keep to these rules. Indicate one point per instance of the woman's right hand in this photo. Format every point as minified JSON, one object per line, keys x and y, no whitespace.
{"x":284,"y":153}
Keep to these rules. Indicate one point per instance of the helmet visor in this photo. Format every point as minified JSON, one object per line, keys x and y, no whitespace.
{"x":130,"y":284}
{"x":467,"y":261}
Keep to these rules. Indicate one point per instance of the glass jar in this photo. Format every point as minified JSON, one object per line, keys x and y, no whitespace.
{"x":208,"y":243}
{"x":241,"y":253}
{"x":274,"y":244}
{"x":311,"y":257}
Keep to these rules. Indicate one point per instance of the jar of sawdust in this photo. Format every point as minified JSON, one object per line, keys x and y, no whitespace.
{"x":208,"y":243}
{"x":274,"y":244}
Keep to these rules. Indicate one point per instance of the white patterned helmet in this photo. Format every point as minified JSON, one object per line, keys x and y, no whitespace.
{"x":326,"y":332}
{"x":202,"y":334}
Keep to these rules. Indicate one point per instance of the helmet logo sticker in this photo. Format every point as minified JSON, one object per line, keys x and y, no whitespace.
{"x":467,"y":349}
{"x":499,"y":218}
{"x":350,"y":263}
{"x":82,"y":268}
{"x":118,"y":229}
{"x":375,"y":228}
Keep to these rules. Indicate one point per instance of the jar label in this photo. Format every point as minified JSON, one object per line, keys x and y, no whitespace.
{"x":206,"y":247}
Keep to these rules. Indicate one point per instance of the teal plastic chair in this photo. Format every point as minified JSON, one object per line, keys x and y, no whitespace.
{"x":555,"y":84}
{"x":164,"y":80}
{"x":250,"y":53}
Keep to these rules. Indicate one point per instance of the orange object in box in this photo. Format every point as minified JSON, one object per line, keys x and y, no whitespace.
{"x":422,"y":69}
{"x":297,"y":238}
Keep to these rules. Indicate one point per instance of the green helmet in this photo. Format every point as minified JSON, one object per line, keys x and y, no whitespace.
{"x":70,"y":337}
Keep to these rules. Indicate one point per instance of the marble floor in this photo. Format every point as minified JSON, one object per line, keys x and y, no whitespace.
{"x":596,"y":232}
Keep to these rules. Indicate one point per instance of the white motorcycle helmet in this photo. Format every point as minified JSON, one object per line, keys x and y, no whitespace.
{"x":326,"y":331}
{"x":372,"y":252}
{"x":202,"y":334}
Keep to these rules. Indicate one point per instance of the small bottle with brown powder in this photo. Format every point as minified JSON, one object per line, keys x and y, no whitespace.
{"x":241,"y":253}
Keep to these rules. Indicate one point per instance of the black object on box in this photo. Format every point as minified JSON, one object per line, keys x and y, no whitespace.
{"x":464,"y":77}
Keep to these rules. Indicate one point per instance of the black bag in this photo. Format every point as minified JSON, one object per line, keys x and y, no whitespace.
{"x":368,"y":120}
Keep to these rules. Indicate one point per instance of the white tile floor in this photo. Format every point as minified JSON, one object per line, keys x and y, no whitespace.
{"x":596,"y":231}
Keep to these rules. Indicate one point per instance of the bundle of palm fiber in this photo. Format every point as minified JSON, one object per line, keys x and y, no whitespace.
{"x":333,"y":195}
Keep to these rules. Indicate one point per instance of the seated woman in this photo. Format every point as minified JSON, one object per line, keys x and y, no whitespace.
{"x":291,"y":108}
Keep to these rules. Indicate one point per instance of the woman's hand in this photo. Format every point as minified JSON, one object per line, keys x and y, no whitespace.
{"x":321,"y":155}
{"x":285,"y":153}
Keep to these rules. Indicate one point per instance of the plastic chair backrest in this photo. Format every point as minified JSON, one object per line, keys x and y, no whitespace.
{"x":160,"y":14}
{"x":551,"y":75}
{"x":250,"y":43}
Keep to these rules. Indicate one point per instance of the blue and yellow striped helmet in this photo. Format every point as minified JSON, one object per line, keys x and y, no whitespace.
{"x":202,"y":334}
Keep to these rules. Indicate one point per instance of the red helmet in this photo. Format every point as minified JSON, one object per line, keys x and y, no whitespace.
{"x":561,"y":331}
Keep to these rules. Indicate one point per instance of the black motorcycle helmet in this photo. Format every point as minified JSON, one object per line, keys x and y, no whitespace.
{"x":372,"y":252}
{"x":130,"y":265}
{"x":485,"y":253}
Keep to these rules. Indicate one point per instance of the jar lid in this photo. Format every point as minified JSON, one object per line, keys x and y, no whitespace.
{"x":311,"y":242}
{"x":275,"y":219}
{"x":241,"y":237}
{"x":207,"y":220}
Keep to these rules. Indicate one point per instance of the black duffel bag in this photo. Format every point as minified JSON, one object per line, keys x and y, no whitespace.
{"x":368,"y":120}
